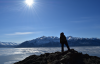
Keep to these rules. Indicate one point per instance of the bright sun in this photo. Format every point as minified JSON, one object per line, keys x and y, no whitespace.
{"x":29,"y":2}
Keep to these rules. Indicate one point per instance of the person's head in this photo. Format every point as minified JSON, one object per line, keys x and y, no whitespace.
{"x":61,"y":34}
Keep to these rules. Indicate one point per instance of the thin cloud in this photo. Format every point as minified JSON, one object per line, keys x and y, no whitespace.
{"x":22,"y":33}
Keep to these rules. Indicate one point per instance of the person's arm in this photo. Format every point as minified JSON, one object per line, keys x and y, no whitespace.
{"x":65,"y":37}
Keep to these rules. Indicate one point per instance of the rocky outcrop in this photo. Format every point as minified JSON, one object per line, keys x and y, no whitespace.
{"x":67,"y":57}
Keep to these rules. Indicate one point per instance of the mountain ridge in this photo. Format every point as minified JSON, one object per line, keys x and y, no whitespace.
{"x":8,"y":44}
{"x":52,"y":41}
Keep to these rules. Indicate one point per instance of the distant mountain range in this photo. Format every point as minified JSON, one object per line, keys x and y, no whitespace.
{"x":8,"y":44}
{"x":55,"y":42}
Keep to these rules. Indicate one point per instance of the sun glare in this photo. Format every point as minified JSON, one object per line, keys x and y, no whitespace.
{"x":29,"y":2}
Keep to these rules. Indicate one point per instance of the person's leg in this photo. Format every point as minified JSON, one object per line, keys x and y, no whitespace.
{"x":62,"y":45}
{"x":67,"y":45}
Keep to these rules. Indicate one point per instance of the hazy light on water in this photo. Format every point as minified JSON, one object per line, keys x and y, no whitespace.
{"x":16,"y":54}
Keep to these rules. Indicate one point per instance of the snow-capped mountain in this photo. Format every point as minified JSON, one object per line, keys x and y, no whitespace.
{"x":55,"y":42}
{"x":8,"y":44}
{"x":44,"y":39}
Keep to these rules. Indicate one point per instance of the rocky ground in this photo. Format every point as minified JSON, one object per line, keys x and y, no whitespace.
{"x":67,"y":57}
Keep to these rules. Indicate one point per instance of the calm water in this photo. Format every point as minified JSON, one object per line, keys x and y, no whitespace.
{"x":11,"y":55}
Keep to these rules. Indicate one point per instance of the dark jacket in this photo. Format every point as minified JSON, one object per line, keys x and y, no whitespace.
{"x":63,"y":39}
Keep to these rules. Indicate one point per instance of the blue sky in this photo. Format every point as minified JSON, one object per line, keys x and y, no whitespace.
{"x":20,"y":22}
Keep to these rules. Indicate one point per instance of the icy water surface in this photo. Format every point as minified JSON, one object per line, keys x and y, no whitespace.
{"x":11,"y":55}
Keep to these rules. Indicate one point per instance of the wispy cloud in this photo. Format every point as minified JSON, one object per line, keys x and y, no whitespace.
{"x":22,"y":33}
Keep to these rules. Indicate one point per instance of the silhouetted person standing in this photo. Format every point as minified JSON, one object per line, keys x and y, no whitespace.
{"x":63,"y":41}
